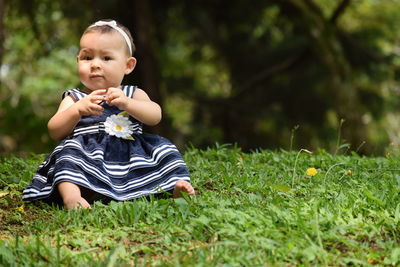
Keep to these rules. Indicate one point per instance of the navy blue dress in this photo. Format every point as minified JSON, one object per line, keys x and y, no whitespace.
{"x":119,"y":168}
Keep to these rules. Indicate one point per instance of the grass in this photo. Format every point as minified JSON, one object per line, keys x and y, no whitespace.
{"x":252,"y":209}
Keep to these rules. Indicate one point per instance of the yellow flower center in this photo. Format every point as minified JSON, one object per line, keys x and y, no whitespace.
{"x":118,"y":127}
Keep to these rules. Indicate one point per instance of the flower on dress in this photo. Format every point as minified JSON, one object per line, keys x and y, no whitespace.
{"x":311,"y":171}
{"x":119,"y":126}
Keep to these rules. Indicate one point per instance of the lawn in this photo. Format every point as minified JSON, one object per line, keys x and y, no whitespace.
{"x":265,"y":208}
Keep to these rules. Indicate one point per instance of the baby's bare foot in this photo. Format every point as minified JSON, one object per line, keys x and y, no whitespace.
{"x":182,"y":186}
{"x":80,"y":203}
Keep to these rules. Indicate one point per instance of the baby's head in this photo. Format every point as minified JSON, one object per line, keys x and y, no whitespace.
{"x":108,"y":26}
{"x":105,"y":55}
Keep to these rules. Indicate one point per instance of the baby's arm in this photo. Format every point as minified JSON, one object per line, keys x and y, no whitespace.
{"x":139,"y":106}
{"x":70,"y":112}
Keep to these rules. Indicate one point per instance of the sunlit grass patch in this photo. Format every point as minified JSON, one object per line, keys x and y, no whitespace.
{"x":252,"y":209}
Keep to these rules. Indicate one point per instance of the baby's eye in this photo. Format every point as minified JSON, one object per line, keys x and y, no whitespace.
{"x":106,"y":58}
{"x":87,"y":58}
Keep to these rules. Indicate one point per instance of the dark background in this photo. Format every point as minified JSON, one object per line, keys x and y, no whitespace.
{"x":284,"y":74}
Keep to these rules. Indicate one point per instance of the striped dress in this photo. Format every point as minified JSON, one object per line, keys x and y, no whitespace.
{"x":110,"y":155}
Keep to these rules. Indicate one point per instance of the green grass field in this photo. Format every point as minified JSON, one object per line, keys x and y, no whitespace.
{"x":252,"y":209}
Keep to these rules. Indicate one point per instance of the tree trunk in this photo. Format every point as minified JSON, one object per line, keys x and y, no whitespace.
{"x":2,"y":6}
{"x":140,"y":22}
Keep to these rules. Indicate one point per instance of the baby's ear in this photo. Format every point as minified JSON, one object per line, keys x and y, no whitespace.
{"x":130,"y":65}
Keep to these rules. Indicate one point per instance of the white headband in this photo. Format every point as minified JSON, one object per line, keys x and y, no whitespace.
{"x":113,"y":24}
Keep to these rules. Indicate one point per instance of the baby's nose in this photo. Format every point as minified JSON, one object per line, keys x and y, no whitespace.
{"x":95,"y":63}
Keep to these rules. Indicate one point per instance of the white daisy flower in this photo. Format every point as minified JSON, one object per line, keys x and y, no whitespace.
{"x":119,"y":126}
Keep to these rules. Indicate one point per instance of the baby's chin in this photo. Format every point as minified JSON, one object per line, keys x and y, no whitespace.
{"x":92,"y":87}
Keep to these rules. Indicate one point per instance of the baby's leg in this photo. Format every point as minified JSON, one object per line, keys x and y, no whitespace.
{"x":71,"y":195}
{"x":182,"y":186}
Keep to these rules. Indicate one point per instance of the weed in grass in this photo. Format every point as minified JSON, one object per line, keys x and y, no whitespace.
{"x":340,"y":146}
{"x":295,"y":164}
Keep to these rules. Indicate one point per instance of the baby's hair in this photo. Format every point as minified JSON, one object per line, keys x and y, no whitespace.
{"x":107,"y":29}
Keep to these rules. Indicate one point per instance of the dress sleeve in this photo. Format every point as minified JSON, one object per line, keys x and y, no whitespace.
{"x":75,"y":93}
{"x":129,"y":90}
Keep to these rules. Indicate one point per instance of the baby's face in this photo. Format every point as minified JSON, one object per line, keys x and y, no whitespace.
{"x":102,"y":60}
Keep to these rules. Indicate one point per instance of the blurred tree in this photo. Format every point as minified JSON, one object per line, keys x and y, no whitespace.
{"x":2,"y":5}
{"x":225,"y":71}
{"x":293,"y":63}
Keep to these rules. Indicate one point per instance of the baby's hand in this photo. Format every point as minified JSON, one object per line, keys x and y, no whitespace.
{"x":115,"y":96}
{"x":90,"y":104}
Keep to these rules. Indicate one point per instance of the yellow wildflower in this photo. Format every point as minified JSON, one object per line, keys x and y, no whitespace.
{"x":21,"y":209}
{"x":349,"y":172}
{"x":311,"y":171}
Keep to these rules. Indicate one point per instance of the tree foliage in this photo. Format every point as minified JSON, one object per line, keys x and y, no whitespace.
{"x":224,"y":71}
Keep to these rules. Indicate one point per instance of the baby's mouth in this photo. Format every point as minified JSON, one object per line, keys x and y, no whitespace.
{"x":95,"y":76}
